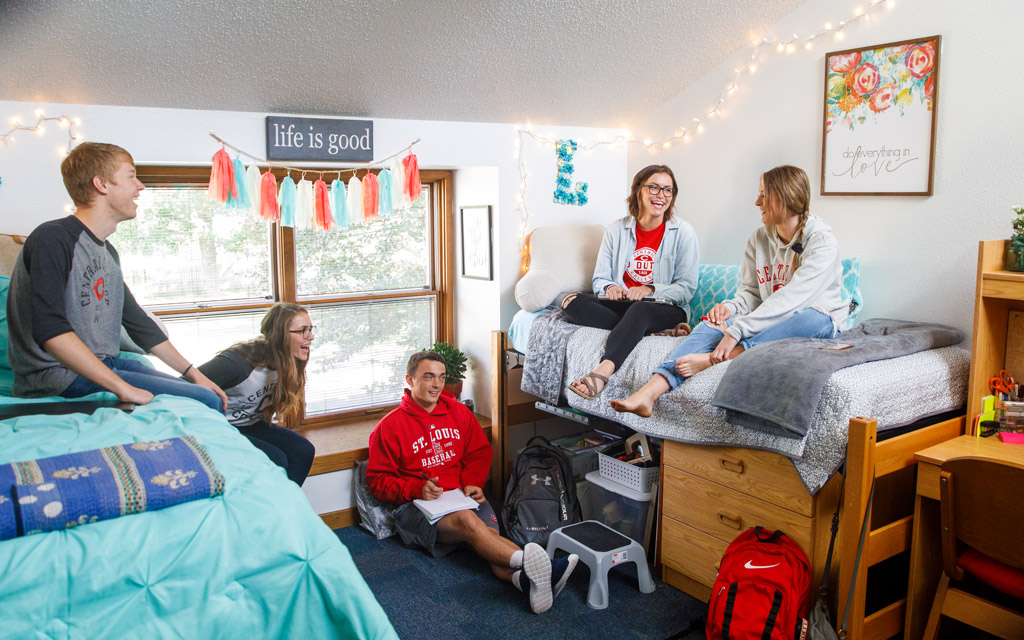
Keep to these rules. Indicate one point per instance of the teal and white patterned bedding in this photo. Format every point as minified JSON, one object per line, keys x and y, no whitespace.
{"x":256,"y":562}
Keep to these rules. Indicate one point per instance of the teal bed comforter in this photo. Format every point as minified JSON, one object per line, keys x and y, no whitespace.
{"x":256,"y":562}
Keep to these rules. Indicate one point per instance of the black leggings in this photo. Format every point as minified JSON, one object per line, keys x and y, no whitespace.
{"x":284,"y":447}
{"x":627,"y":320}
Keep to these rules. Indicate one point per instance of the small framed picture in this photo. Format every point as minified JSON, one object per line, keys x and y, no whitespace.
{"x":476,"y":242}
{"x":879,"y":125}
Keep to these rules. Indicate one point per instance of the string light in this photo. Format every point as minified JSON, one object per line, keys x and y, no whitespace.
{"x":782,"y":46}
{"x":63,"y":121}
{"x":758,"y":46}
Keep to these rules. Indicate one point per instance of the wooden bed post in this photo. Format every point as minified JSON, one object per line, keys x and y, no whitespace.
{"x":499,"y":411}
{"x":860,"y":449}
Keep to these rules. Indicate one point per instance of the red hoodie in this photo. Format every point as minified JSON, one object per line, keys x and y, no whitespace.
{"x":447,"y":444}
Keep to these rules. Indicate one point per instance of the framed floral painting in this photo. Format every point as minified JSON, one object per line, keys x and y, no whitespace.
{"x":879,"y":125}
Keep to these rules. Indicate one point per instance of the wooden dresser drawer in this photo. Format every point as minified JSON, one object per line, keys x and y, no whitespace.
{"x":725,"y":513}
{"x":690,"y":552}
{"x":767,"y":476}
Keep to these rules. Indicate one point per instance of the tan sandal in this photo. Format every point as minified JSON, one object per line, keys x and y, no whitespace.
{"x":590,"y":381}
{"x":678,"y":331}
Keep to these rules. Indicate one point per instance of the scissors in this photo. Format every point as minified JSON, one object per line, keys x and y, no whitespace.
{"x":1004,"y":383}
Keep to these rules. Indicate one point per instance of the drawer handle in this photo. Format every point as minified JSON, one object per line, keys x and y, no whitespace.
{"x":718,"y":565}
{"x":735,"y":466}
{"x":736,"y":522}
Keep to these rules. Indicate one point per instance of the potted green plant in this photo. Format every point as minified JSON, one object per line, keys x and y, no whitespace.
{"x":1014,"y":258}
{"x":454,"y":365}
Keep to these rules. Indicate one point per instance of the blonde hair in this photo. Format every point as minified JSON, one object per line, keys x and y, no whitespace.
{"x":272,"y":349}
{"x":788,"y":186}
{"x":638,"y":182}
{"x":86,"y":161}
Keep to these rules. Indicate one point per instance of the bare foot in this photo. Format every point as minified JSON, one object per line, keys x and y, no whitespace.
{"x":692,"y":364}
{"x":634,"y":404}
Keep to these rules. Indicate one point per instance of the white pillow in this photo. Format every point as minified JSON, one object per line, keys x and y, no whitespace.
{"x":561,"y":259}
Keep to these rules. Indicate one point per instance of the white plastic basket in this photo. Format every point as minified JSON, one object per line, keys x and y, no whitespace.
{"x":636,"y":478}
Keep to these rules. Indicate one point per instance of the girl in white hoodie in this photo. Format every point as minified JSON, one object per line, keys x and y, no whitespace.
{"x":790,"y":286}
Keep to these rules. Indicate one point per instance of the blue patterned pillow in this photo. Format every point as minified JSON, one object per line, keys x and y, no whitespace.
{"x":718,"y":282}
{"x":851,"y":289}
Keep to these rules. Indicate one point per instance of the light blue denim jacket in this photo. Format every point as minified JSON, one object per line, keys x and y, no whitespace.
{"x":675,"y":267}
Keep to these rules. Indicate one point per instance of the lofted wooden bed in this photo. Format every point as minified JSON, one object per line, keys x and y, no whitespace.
{"x":891,"y":461}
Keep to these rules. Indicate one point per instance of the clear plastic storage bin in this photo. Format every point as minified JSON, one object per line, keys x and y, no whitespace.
{"x":583,"y":450}
{"x":627,"y":511}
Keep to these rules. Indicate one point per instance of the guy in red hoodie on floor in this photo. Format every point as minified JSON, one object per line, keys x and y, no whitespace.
{"x":432,"y":443}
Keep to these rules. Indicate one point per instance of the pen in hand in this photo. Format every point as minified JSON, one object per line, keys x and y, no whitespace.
{"x":424,"y":476}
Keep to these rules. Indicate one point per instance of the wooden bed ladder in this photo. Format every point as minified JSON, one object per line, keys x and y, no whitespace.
{"x":868,"y":459}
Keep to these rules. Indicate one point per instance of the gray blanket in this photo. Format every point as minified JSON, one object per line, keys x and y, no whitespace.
{"x":542,"y":375}
{"x":776,"y":387}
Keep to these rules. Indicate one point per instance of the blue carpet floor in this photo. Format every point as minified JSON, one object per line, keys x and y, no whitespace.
{"x":458,"y":597}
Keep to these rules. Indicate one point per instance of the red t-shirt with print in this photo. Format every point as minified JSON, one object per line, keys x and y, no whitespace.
{"x":640,"y":267}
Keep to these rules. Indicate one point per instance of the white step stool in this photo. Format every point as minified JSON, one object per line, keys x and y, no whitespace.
{"x":600,"y":548}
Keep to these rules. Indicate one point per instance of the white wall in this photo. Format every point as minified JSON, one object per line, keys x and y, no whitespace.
{"x":918,"y":254}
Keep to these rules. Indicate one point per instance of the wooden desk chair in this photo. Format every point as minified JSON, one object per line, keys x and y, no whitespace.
{"x":981,"y":507}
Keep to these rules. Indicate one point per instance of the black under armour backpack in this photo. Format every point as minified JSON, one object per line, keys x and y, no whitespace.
{"x":541,"y":495}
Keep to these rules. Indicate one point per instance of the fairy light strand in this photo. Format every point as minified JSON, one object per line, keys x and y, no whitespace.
{"x":305,"y":170}
{"x":63,"y":121}
{"x":696,"y":125}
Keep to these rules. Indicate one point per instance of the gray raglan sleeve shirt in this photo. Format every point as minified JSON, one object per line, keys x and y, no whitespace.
{"x":67,"y":280}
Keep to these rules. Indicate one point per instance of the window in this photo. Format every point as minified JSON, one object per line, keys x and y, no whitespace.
{"x":376,"y":291}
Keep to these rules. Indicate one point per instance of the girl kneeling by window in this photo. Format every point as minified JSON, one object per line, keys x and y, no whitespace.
{"x":264,"y":377}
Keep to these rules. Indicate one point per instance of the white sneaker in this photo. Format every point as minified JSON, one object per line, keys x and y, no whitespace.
{"x":537,"y":570}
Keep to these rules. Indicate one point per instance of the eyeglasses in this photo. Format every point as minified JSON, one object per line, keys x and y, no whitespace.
{"x":655,"y":189}
{"x":307,"y":332}
{"x":429,"y":377}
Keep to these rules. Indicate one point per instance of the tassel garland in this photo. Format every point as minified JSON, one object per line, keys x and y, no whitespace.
{"x":240,"y":199}
{"x":371,"y":189}
{"x":222,"y":177}
{"x":385,"y":202}
{"x":252,"y":184}
{"x":355,"y":200}
{"x":412,"y":176}
{"x":269,"y":209}
{"x":322,"y":206}
{"x":311,"y":204}
{"x":287,"y":201}
{"x":339,"y":203}
{"x":304,"y":205}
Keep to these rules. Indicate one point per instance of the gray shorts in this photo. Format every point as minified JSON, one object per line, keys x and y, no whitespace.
{"x":416,"y":531}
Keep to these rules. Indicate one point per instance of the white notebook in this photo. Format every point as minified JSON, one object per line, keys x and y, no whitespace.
{"x":450,"y":501}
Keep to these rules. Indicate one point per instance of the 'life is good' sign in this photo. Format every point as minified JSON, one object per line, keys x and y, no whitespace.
{"x":329,"y":139}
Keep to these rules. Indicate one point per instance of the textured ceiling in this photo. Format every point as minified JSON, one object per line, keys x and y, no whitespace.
{"x":571,"y":62}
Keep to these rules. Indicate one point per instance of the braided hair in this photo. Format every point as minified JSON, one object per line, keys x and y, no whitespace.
{"x":788,"y":187}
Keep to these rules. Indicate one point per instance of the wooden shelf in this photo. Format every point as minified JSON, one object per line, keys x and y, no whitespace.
{"x":1002,"y":274}
{"x":1004,"y":285}
{"x":998,"y":292}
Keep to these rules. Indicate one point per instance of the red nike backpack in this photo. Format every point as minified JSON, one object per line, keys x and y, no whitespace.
{"x":762,"y":589}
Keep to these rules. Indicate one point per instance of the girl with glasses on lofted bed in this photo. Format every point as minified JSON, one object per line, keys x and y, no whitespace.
{"x":264,"y":377}
{"x":645,"y":275}
{"x":790,"y":287}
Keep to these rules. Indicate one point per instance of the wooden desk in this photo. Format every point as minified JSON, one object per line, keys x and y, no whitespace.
{"x":926,"y":548}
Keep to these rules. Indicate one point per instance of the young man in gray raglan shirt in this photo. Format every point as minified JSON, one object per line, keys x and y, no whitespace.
{"x":67,"y":299}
